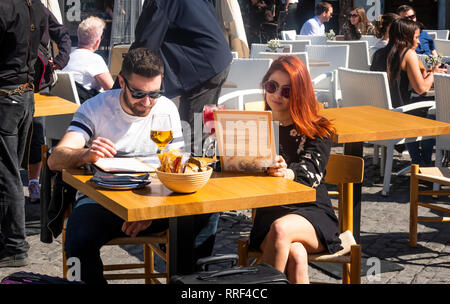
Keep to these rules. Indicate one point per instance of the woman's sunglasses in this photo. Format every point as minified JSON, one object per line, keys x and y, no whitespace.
{"x":353,"y":15}
{"x":271,"y":86}
{"x":141,"y":94}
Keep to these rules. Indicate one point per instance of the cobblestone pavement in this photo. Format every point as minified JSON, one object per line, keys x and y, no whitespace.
{"x":384,"y":236}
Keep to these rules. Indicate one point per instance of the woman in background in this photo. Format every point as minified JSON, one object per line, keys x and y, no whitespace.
{"x":382,"y":29}
{"x":357,"y":25}
{"x":287,"y":234}
{"x":399,"y":60}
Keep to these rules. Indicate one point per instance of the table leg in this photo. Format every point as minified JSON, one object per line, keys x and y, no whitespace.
{"x":181,"y":254}
{"x":356,"y":149}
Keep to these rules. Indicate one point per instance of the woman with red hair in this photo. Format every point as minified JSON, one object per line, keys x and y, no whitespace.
{"x":287,"y":234}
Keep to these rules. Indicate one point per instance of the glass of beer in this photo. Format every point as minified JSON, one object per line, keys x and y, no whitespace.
{"x":161,"y":131}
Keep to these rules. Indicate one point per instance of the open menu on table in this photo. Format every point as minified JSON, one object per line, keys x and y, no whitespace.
{"x":129,"y":164}
{"x":245,"y":140}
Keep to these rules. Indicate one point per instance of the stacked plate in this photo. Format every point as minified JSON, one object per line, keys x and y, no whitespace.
{"x":120,"y":181}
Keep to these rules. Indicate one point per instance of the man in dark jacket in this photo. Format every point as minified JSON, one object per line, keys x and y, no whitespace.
{"x":196,"y":62}
{"x":22,"y":23}
{"x":44,"y":68}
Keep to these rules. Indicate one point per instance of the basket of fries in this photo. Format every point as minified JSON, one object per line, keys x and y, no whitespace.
{"x":187,"y":177}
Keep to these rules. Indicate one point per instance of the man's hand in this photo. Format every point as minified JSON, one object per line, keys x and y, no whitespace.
{"x":133,"y":228}
{"x":101,"y":148}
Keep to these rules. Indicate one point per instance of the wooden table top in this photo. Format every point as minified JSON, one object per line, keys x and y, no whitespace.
{"x":47,"y":105}
{"x":367,"y":123}
{"x":223,"y":192}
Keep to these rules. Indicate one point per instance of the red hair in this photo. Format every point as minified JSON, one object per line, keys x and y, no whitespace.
{"x":304,"y":107}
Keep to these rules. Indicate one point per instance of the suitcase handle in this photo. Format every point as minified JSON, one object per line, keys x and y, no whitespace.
{"x":203,"y":263}
{"x":226,"y":272}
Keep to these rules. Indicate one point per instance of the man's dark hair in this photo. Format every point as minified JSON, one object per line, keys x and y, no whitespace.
{"x":142,"y":61}
{"x":404,"y":8}
{"x":322,"y":7}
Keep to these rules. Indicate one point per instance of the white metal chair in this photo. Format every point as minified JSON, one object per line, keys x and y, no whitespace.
{"x":246,"y":73}
{"x":297,"y":45}
{"x":337,"y":55}
{"x":440,"y":34}
{"x":371,"y":39}
{"x":288,"y":35}
{"x":442,"y":46}
{"x":55,"y":126}
{"x":433,"y":35}
{"x":358,"y":56}
{"x":239,"y":98}
{"x":315,"y":40}
{"x":372,"y":88}
{"x":256,"y":48}
{"x":442,"y":97}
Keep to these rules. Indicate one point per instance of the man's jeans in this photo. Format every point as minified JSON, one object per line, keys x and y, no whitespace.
{"x":16,"y":113}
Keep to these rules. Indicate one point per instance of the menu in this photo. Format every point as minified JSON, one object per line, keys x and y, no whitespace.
{"x":128,"y":164}
{"x":245,"y":140}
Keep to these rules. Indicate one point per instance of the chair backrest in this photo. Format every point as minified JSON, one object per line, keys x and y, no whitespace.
{"x":433,"y":35}
{"x":371,"y":39}
{"x":440,"y":34}
{"x":55,"y":126}
{"x":256,"y":48}
{"x":238,"y":99}
{"x":442,"y":97}
{"x":117,"y":53}
{"x":337,"y":55}
{"x":288,"y":35}
{"x":302,"y":55}
{"x":297,"y":45}
{"x":246,"y":73}
{"x":364,"y":88}
{"x":442,"y":46}
{"x":358,"y":53}
{"x":315,"y":40}
{"x":344,"y":171}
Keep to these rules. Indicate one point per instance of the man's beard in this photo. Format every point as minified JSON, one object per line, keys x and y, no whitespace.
{"x":133,"y":107}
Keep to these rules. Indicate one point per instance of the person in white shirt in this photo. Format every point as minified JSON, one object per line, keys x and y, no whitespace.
{"x":88,"y":68}
{"x":113,"y":123}
{"x":315,"y":26}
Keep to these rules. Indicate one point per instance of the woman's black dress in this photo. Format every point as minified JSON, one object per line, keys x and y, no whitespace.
{"x":308,"y":159}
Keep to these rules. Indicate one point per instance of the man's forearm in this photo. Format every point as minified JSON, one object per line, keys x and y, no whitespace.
{"x":65,"y":158}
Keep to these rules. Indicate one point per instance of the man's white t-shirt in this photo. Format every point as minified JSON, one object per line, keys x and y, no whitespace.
{"x":103,"y":116}
{"x":313,"y":27}
{"x":85,"y":65}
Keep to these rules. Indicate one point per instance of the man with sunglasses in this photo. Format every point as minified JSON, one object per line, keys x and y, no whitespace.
{"x":426,"y":43}
{"x":113,"y":123}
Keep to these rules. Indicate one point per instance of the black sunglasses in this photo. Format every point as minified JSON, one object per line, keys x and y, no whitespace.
{"x":141,"y":94}
{"x":271,"y":86}
{"x":353,"y":15}
{"x":411,"y":17}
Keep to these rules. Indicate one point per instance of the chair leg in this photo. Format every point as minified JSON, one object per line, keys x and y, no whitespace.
{"x":438,"y":163}
{"x":383,"y":160}
{"x":355,"y":269}
{"x":376,"y":154}
{"x":243,"y":252}
{"x":413,"y":207}
{"x":388,"y":170}
{"x":149,"y":263}
{"x":64,"y":257}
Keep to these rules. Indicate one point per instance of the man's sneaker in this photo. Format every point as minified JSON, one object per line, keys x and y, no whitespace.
{"x":15,"y":260}
{"x":34,"y":191}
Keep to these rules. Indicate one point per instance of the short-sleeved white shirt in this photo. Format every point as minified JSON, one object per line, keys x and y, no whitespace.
{"x":103,"y":116}
{"x":85,"y":65}
{"x":313,"y":27}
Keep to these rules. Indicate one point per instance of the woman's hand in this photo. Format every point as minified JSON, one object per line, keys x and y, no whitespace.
{"x":280,"y":168}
